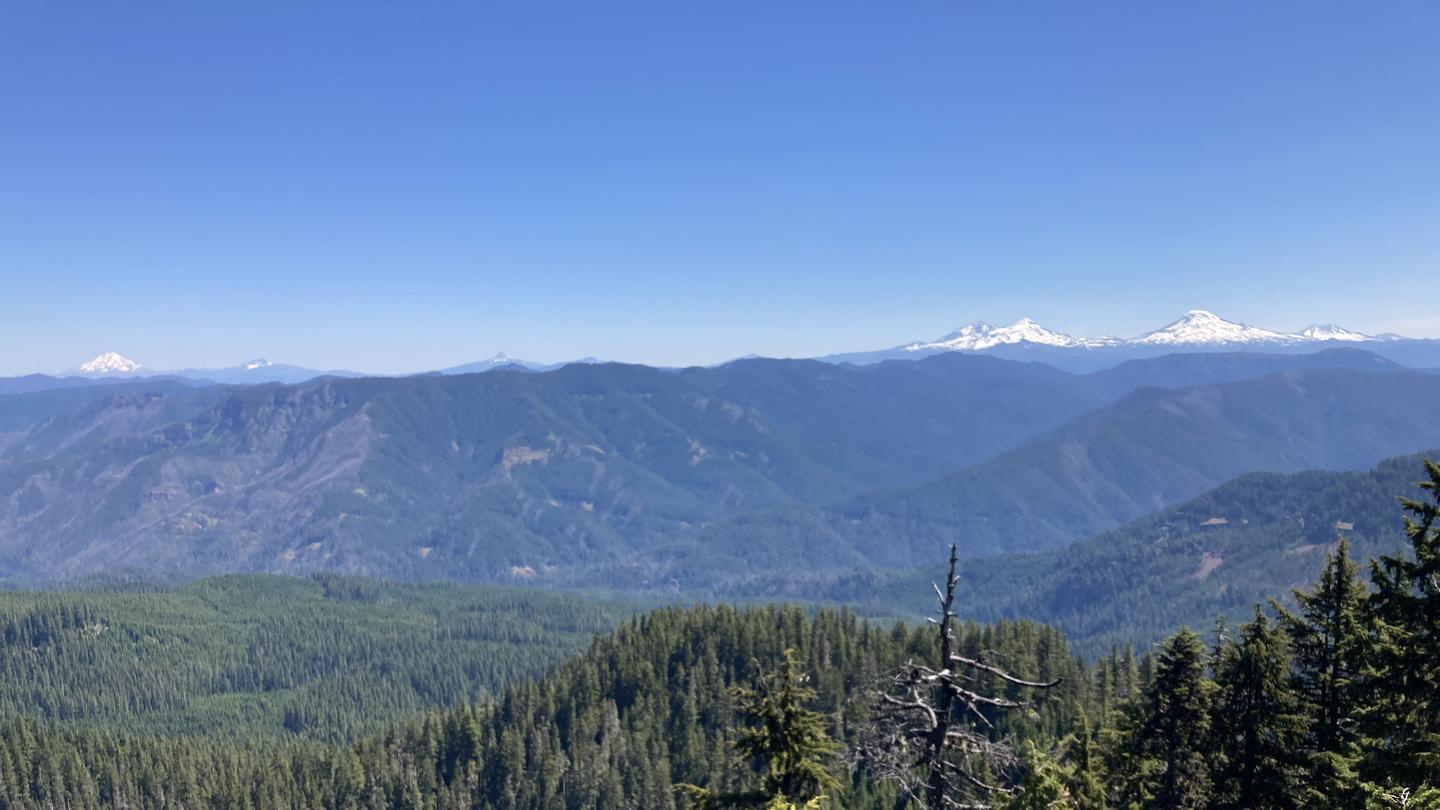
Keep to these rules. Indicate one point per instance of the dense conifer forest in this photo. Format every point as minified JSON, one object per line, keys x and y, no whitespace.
{"x":1334,"y":702}
{"x":253,"y":656}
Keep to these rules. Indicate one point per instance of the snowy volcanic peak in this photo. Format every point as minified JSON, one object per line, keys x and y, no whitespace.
{"x":1197,"y":327}
{"x":981,"y":335}
{"x":109,"y":363}
{"x":1329,"y":331}
{"x":1200,"y":327}
{"x":259,"y":370}
{"x":500,"y":360}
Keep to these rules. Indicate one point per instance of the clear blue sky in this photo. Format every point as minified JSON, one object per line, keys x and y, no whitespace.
{"x":399,"y":186}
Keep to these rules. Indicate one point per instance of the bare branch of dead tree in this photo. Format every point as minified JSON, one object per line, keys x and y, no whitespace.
{"x":930,"y":734}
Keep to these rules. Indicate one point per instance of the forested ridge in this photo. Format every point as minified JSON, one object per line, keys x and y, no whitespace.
{"x":1334,"y":702}
{"x":255,"y":656}
{"x":696,"y":479}
{"x":618,"y":726}
{"x":1247,"y":540}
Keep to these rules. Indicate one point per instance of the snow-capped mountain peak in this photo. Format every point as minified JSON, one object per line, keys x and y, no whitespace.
{"x":1201,"y":327}
{"x":258,"y":362}
{"x":981,"y":335}
{"x":1196,"y":329}
{"x":1329,"y":331}
{"x":109,"y":363}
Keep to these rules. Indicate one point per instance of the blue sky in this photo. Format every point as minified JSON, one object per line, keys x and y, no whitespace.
{"x":393,"y":187}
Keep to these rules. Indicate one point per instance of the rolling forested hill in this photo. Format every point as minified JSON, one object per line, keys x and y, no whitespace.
{"x":1246,"y":541}
{"x":1153,"y":449}
{"x":261,"y":657}
{"x":620,"y":725}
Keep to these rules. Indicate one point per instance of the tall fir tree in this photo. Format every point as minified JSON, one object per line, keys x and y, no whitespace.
{"x":1329,"y":639}
{"x":1259,"y":723}
{"x":1402,"y":719}
{"x":1086,"y":778}
{"x":784,"y":739}
{"x":1162,"y":757}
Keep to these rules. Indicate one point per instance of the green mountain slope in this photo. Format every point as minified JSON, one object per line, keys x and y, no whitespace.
{"x":1249,"y":540}
{"x":251,"y":656}
{"x":1246,"y":541}
{"x":1153,"y":449}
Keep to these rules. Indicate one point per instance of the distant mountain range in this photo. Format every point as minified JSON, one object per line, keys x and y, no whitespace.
{"x":1195,"y":328}
{"x":503,"y":361}
{"x":1169,"y":485}
{"x":115,"y":366}
{"x":1196,"y":331}
{"x":112,"y":366}
{"x":692,"y":479}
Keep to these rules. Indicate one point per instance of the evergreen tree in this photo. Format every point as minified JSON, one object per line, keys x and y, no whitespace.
{"x":1086,"y":780}
{"x":784,"y":739}
{"x":1328,"y":636}
{"x":1259,"y":725}
{"x":1402,"y":719}
{"x":1383,"y":798}
{"x":1044,"y":786}
{"x":1162,"y":759}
